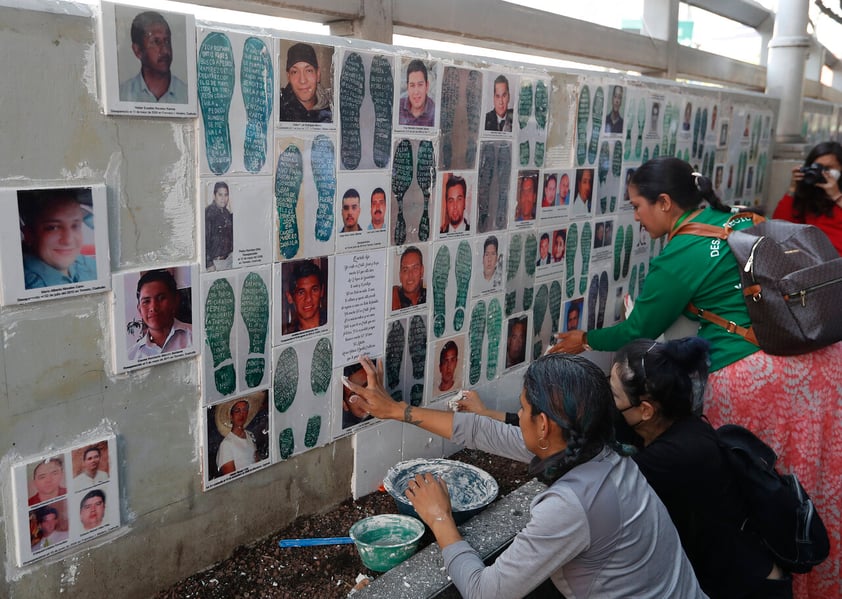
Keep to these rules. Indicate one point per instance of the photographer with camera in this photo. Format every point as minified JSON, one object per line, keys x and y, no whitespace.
{"x":814,"y":196}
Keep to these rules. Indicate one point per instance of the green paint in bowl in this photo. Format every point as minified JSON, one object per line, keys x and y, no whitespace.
{"x":386,"y":540}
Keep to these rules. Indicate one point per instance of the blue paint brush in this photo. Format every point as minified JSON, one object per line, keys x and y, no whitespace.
{"x":315,"y":541}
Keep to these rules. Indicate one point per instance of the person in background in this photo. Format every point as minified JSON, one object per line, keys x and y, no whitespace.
{"x":658,"y":390}
{"x":819,"y":203}
{"x":665,"y":192}
{"x":598,"y":525}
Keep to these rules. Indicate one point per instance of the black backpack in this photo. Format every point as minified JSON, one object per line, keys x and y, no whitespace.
{"x":778,"y":509}
{"x":791,"y":279}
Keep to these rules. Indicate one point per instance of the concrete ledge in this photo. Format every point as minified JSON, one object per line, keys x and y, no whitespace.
{"x":423,"y":574}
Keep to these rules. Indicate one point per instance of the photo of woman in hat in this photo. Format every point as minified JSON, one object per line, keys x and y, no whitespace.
{"x":240,"y":446}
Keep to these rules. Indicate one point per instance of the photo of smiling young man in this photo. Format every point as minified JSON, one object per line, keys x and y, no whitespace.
{"x":306,"y":84}
{"x":305,"y":292}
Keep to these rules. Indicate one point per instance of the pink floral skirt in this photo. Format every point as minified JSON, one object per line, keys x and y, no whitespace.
{"x":794,"y":403}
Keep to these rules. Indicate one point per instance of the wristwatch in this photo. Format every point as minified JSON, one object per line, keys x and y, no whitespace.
{"x":585,"y":345}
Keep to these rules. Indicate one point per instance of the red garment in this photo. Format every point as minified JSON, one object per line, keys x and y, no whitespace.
{"x":36,"y":499}
{"x":830,"y":225}
{"x":793,"y":403}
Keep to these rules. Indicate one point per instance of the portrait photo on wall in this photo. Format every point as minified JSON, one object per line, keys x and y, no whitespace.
{"x":54,"y":242}
{"x":517,"y":339}
{"x":447,"y":365}
{"x":154,"y":316}
{"x":65,"y":498}
{"x":417,"y":90}
{"x":237,"y":438}
{"x":409,"y":283}
{"x":500,"y":92}
{"x":457,"y":203}
{"x":303,"y":289}
{"x":305,"y":81}
{"x":362,"y":210}
{"x":148,"y":61}
{"x":237,"y":222}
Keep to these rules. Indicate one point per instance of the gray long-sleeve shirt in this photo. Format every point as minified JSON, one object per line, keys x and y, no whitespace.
{"x":598,"y":531}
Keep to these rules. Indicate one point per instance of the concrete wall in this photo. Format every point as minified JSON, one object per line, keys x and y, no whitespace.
{"x":54,"y":381}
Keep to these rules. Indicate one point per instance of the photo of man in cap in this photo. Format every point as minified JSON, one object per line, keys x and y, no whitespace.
{"x":304,"y":99}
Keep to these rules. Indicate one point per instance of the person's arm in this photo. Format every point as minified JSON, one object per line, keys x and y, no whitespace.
{"x":377,"y":402}
{"x":471,"y":402}
{"x":227,"y":467}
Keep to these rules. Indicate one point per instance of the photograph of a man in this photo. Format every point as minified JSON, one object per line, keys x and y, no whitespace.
{"x":152,"y":45}
{"x":49,"y":523}
{"x":93,"y":469}
{"x":448,"y":365}
{"x":654,"y":117}
{"x":544,"y":250}
{"x":527,"y":195}
{"x":516,"y":342}
{"x":92,"y":509}
{"x":455,"y":195}
{"x":158,"y":302}
{"x":411,"y":291}
{"x":57,"y":244}
{"x":304,"y":99}
{"x":350,"y":211}
{"x":614,"y":118}
{"x":378,"y":209}
{"x":490,"y":260}
{"x":219,"y":230}
{"x":353,"y":412}
{"x":550,"y":184}
{"x":306,"y":295}
{"x":416,"y":107}
{"x":48,"y":480}
{"x":500,"y":117}
{"x":564,"y":190}
{"x":573,"y":314}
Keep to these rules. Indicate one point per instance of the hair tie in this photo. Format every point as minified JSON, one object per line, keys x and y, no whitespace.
{"x":696,"y":177}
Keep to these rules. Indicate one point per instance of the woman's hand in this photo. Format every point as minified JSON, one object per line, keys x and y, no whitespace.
{"x":373,"y":398}
{"x":428,"y":495}
{"x":797,"y":176}
{"x":471,"y":402}
{"x":571,"y":342}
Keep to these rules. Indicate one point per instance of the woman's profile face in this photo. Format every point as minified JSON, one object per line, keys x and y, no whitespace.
{"x":528,"y":424}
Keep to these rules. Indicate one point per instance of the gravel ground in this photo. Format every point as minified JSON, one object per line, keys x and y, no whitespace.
{"x":264,"y":570}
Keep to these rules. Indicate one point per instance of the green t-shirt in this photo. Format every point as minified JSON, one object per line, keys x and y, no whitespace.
{"x":691,"y":268}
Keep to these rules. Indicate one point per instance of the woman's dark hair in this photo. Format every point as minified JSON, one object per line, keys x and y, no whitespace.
{"x":812,"y":199}
{"x":675,"y":178}
{"x":574,"y":393}
{"x":671,"y":375}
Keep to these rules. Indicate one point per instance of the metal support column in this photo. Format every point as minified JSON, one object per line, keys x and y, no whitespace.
{"x":374,"y":22}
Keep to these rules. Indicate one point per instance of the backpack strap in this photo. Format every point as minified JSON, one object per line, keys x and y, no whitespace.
{"x":688,"y":227}
{"x":728,"y":325}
